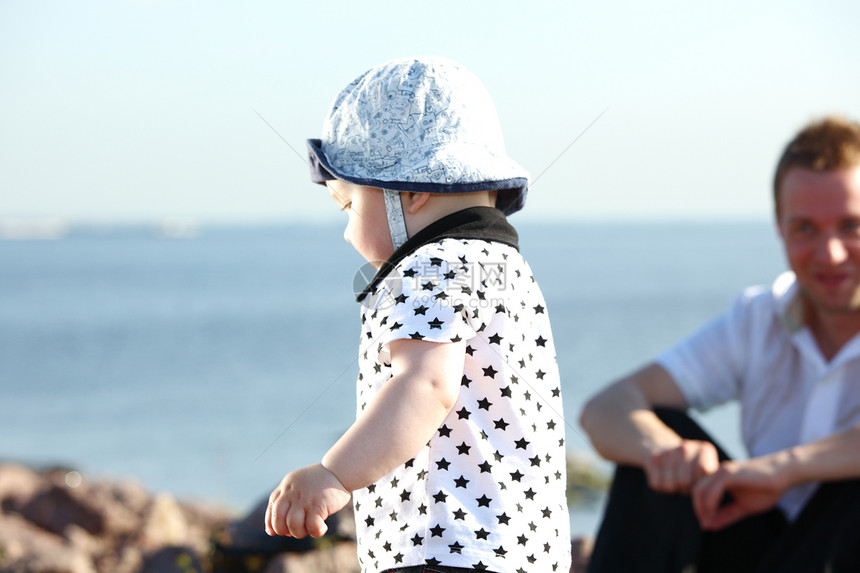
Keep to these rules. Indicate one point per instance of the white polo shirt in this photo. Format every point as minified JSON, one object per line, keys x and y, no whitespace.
{"x":760,"y":353}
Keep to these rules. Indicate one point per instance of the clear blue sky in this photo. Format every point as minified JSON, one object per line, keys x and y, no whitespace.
{"x":138,"y":110}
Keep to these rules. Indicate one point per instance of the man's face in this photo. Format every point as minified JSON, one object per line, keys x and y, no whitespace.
{"x":819,"y":221}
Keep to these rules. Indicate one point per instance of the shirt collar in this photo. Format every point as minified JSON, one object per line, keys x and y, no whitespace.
{"x":789,"y":305}
{"x":483,"y":223}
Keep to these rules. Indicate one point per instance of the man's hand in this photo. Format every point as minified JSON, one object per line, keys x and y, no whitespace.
{"x":304,"y":499}
{"x":677,"y":470}
{"x":754,"y":486}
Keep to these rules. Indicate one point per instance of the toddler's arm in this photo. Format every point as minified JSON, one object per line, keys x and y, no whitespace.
{"x":399,"y":421}
{"x":403,"y":416}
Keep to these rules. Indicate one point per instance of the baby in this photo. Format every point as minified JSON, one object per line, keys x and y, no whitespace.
{"x":456,"y":461}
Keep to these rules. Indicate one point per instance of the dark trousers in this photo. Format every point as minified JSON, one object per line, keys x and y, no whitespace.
{"x":645,"y":531}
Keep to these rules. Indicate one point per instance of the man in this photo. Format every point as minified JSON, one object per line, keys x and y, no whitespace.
{"x":790,"y":354}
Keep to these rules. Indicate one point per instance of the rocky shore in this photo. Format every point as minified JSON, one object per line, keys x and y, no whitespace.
{"x":56,"y":520}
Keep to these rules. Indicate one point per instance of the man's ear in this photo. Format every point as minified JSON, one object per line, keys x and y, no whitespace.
{"x":414,"y":201}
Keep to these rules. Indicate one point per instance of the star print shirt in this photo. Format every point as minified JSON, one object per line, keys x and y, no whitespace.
{"x":488,"y":491}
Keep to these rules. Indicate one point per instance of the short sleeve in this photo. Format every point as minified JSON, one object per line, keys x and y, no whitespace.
{"x":708,"y":365}
{"x":426,"y":297}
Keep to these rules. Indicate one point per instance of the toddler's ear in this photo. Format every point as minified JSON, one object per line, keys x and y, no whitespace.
{"x":413,"y":201}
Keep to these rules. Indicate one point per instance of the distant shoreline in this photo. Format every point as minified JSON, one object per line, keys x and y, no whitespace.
{"x":54,"y":228}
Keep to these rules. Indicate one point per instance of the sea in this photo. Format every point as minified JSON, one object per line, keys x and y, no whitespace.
{"x":207,"y":361}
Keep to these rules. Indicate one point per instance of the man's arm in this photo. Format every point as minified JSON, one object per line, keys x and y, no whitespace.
{"x":620,"y":421}
{"x":833,"y":458}
{"x":398,"y":422}
{"x":757,"y":484}
{"x":623,"y":428}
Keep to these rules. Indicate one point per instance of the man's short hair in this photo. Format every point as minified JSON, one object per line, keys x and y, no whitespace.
{"x":827,"y":144}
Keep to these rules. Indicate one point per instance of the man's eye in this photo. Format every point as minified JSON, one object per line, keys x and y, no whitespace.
{"x":803,"y":229}
{"x":852,"y":227}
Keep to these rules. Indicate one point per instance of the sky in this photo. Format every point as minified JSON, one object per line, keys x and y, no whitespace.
{"x":133,"y":111}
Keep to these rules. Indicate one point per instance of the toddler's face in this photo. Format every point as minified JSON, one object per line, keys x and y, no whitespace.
{"x":367,"y":227}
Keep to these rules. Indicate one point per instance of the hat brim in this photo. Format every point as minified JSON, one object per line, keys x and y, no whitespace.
{"x":511,"y":191}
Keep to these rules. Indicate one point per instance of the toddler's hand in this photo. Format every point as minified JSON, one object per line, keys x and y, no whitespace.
{"x":302,"y":502}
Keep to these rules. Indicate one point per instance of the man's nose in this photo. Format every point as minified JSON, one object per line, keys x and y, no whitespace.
{"x":833,"y":250}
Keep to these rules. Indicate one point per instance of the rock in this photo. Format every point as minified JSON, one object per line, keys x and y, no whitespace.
{"x":121,"y":505}
{"x":17,"y":483}
{"x":25,"y":548}
{"x":58,"y":521}
{"x":340,"y":557}
{"x":586,"y":479}
{"x":55,"y":499}
{"x":130,"y":495}
{"x":203,"y":522}
{"x":119,"y":559}
{"x":57,"y":507}
{"x":580,"y":552}
{"x":173,"y":560}
{"x":163,"y":524}
{"x":78,"y":537}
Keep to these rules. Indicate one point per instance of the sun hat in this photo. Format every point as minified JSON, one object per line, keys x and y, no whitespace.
{"x":418,"y":124}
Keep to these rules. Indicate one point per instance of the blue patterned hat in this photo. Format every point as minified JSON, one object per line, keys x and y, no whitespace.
{"x":418,"y":124}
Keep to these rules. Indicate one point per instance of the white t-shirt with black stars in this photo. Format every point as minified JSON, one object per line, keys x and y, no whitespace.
{"x":488,"y":491}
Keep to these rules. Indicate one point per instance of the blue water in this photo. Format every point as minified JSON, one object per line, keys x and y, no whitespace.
{"x":208,"y":367}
